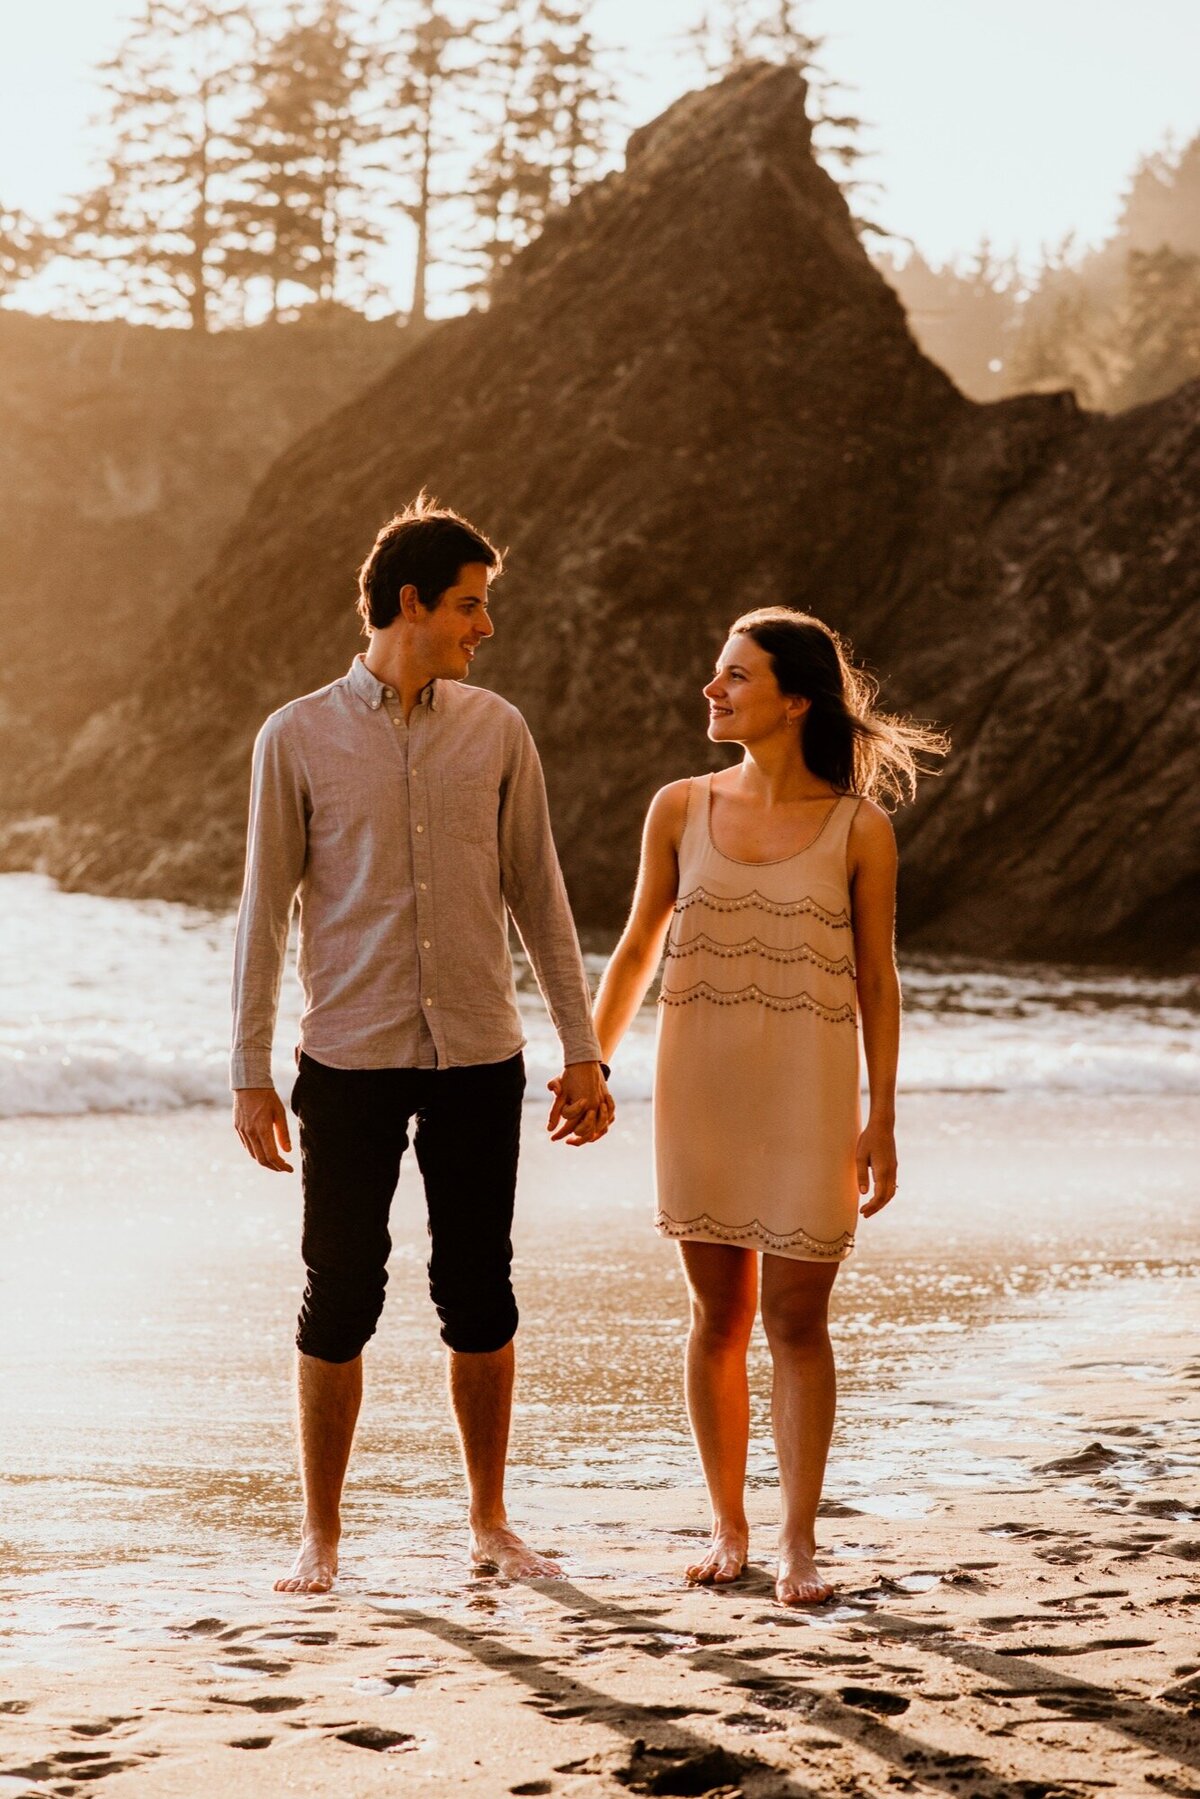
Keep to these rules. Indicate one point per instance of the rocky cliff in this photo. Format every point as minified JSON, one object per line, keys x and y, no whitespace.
{"x":126,"y":453}
{"x":693,"y":394}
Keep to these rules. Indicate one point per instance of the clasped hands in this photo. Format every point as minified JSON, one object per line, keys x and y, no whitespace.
{"x":583,"y":1107}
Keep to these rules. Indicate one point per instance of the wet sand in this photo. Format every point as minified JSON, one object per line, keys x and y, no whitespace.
{"x":1013,"y":1510}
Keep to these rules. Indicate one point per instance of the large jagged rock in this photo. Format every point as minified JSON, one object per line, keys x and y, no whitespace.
{"x":691,"y":395}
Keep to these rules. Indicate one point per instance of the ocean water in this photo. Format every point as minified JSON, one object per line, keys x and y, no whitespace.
{"x":1045,"y":1226}
{"x":113,"y":1005}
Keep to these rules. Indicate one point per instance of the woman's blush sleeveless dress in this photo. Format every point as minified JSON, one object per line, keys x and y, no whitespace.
{"x":756,"y":1093}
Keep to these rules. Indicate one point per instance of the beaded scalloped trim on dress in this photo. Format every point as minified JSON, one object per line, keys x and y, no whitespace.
{"x":796,"y":1002}
{"x":803,"y":952}
{"x":716,"y":902}
{"x":755,"y":1234}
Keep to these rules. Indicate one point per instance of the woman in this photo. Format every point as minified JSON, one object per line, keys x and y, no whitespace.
{"x":773,"y":883}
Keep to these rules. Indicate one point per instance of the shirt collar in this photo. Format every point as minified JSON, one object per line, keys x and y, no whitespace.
{"x":373,"y":692}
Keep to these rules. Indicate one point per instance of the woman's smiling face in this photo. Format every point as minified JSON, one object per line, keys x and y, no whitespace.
{"x":744,"y":700}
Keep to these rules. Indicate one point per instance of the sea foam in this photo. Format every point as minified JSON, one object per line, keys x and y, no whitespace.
{"x":123,"y":1006}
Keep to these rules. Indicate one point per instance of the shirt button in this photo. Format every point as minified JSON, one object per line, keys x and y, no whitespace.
{"x":421,"y":885}
{"x":425,"y":943}
{"x":420,"y":828}
{"x":397,"y":722}
{"x":428,"y":1002}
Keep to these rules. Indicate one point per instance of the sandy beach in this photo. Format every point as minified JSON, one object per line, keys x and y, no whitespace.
{"x":1012,"y":1514}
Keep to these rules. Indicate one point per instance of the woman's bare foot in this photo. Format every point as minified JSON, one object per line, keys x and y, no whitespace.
{"x":315,"y":1567}
{"x":798,"y":1582}
{"x":724,"y":1559}
{"x":497,"y":1549}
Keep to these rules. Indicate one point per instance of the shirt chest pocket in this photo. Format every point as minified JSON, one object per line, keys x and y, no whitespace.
{"x":469,"y":812}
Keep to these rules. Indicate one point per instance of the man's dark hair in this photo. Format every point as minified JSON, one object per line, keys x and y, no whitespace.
{"x":425,"y":547}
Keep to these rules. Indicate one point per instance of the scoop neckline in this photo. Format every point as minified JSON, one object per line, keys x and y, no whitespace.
{"x":776,"y":861}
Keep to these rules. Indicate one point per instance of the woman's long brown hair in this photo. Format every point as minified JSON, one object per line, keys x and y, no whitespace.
{"x":846,"y":740}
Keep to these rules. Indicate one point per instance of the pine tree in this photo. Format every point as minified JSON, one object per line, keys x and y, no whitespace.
{"x":1062,"y":337}
{"x":421,"y":69}
{"x":24,"y":249}
{"x":1162,"y":206}
{"x":275,"y":218}
{"x":963,"y":318}
{"x":576,"y":93}
{"x":546,"y":104}
{"x":1159,"y":325}
{"x":507,"y":186}
{"x":337,"y":68}
{"x":153,"y":222}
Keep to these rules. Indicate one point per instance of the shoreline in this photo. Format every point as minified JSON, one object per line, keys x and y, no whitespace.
{"x":1011,"y":1512}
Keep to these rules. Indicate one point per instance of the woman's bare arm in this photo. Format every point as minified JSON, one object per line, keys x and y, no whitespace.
{"x":872,"y":863}
{"x":631,"y":968}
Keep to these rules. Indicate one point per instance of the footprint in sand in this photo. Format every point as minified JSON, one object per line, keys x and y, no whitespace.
{"x":751,"y":1723}
{"x":874,"y":1699}
{"x":373,"y":1736}
{"x":1183,"y":1693}
{"x":263,"y":1702}
{"x":647,"y":1768}
{"x":251,"y":1742}
{"x":776,"y":1695}
{"x":71,"y":1764}
{"x":310,"y":1639}
{"x":669,"y":1714}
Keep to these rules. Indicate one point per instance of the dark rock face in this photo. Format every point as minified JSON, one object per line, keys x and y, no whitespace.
{"x":692,"y":395}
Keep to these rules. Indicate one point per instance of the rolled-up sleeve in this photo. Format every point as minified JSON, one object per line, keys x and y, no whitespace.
{"x":536,"y":896}
{"x":276,"y":849}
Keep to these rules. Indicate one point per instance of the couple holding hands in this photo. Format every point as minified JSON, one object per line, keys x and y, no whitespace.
{"x":408,"y":813}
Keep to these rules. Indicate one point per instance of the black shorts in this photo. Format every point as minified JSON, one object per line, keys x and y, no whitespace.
{"x":354,"y":1128}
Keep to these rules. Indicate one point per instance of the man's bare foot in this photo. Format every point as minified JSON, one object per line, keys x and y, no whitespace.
{"x":798,"y":1582}
{"x":725,"y":1558}
{"x":497,"y":1549}
{"x":315,"y":1567}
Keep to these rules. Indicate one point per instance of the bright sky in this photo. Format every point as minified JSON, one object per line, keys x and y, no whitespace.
{"x":1019,"y":119}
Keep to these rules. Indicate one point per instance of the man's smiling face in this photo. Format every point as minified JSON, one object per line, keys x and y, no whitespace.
{"x":450,"y":635}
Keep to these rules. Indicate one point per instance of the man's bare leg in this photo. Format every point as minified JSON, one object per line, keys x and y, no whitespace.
{"x":481,"y":1391}
{"x":795,"y":1309}
{"x":723,"y":1288}
{"x":328,"y":1395}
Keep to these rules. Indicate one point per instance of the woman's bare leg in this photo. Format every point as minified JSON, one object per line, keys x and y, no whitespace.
{"x":723,"y":1287}
{"x":795,"y":1307}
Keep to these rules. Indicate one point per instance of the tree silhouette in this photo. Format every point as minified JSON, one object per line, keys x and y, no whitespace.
{"x":276,"y":216}
{"x":153,"y":221}
{"x":24,"y":248}
{"x":1159,"y":325}
{"x":545,"y":105}
{"x":421,"y":67}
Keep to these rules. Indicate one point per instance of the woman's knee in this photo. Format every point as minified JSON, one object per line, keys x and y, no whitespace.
{"x":723,"y":1320}
{"x":797,"y":1322}
{"x":723,"y":1291}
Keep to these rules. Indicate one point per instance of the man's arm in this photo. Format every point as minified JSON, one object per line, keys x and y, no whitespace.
{"x":276,"y":848}
{"x":537,"y":899}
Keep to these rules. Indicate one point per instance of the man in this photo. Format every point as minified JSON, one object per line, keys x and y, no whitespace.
{"x":408,"y":812}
